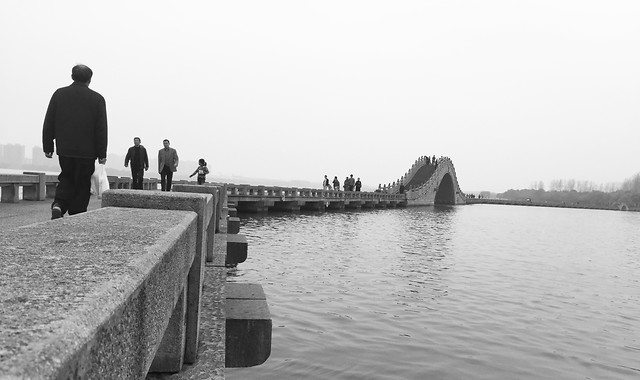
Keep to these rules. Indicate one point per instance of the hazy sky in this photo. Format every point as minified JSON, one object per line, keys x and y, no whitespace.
{"x":512,"y":91}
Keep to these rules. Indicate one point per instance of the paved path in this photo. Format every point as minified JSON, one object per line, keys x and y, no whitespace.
{"x":28,"y":212}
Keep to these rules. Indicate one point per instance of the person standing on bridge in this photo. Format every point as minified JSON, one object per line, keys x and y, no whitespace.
{"x":336,"y":183}
{"x":137,"y":154}
{"x":358,"y":184}
{"x":325,"y":183}
{"x":352,"y":183}
{"x":167,"y":165}
{"x":77,"y":120}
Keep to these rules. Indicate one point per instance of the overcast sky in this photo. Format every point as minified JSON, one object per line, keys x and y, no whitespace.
{"x":512,"y":91}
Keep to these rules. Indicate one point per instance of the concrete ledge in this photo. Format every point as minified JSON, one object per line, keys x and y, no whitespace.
{"x":243,"y":291}
{"x":233,"y":225}
{"x":232,"y":211}
{"x":90,"y":296}
{"x":212,"y":224}
{"x":237,"y":249}
{"x":202,"y":204}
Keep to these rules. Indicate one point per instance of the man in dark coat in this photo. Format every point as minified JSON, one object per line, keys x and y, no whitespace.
{"x":77,"y":120}
{"x":137,"y":154}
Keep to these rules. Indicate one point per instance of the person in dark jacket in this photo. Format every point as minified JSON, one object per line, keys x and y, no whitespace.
{"x":77,"y":120}
{"x":137,"y":154}
{"x":336,"y":183}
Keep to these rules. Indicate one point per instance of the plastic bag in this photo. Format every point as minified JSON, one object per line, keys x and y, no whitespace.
{"x":99,"y":181}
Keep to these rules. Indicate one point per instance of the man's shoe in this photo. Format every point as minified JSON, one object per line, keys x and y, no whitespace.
{"x":56,"y":212}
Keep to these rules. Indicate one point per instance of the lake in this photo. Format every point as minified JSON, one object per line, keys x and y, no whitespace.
{"x":461,"y":292}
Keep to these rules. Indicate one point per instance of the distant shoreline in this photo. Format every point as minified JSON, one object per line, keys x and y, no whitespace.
{"x":510,"y":202}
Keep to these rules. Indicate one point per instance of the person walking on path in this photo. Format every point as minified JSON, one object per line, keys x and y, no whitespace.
{"x":76,"y":119}
{"x":137,"y":154}
{"x":167,"y":165}
{"x":201,"y":171}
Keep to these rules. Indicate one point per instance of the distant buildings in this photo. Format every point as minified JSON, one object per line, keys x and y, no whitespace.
{"x":12,"y":155}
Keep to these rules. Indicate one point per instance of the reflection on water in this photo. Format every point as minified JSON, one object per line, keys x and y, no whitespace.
{"x":480,"y":292}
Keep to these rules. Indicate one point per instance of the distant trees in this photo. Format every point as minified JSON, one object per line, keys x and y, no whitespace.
{"x":586,"y":193}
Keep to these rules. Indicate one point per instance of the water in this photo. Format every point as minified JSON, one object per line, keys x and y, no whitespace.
{"x":466,"y":292}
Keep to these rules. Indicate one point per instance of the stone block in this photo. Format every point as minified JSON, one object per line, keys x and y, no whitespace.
{"x":248,"y":332}
{"x":170,"y":354}
{"x":233,"y":225}
{"x":202,"y":205}
{"x":37,"y":192}
{"x":10,"y":193}
{"x":90,"y":296}
{"x":238,"y":290}
{"x":237,"y":249}
{"x":211,"y":225}
{"x":232,"y":211}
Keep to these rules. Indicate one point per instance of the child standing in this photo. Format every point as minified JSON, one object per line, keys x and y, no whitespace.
{"x":201,"y":171}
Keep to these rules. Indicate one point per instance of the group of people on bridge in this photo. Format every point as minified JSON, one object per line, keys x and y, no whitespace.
{"x":350,"y":183}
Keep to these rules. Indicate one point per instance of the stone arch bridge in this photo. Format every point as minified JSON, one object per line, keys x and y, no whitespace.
{"x":425,"y":184}
{"x":428,"y":183}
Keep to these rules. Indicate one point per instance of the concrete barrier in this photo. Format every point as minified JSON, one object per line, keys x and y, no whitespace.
{"x":233,"y":225}
{"x":37,"y":192}
{"x":248,"y":326}
{"x":202,"y":204}
{"x":35,"y":186}
{"x":215,"y":214}
{"x":237,"y":249}
{"x":90,"y":296}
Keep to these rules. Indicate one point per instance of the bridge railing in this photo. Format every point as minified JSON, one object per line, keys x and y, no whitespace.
{"x":35,"y":186}
{"x":93,"y":295}
{"x":278,"y":192}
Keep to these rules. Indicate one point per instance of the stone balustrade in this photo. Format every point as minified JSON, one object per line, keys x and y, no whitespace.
{"x":35,"y":186}
{"x":91,"y":296}
{"x":115,"y":292}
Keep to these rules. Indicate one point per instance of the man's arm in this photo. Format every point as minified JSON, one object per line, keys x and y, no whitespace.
{"x":48,"y":128}
{"x":146,"y":158}
{"x":101,"y":131}
{"x":127,"y":158}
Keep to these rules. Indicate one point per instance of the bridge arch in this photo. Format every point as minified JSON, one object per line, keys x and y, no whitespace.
{"x":429,"y":184}
{"x":445,"y":192}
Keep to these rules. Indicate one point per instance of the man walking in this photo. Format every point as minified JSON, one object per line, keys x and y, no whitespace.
{"x":167,"y":165}
{"x":137,"y":154}
{"x":77,"y":120}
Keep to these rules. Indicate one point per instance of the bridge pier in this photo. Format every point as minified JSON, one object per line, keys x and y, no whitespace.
{"x":369,"y":205}
{"x":285,"y":206}
{"x":253,"y":207}
{"x":353,"y":205}
{"x":382,"y":204}
{"x":314,"y":206}
{"x":336,"y":206}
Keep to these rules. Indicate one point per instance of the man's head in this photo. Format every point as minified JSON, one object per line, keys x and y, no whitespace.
{"x":165,"y":142}
{"x":81,"y":73}
{"x":136,"y":141}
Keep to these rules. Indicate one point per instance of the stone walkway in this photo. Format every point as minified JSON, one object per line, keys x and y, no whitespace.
{"x":28,"y":212}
